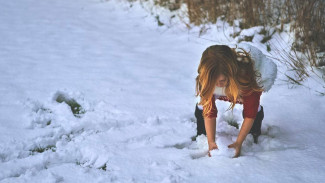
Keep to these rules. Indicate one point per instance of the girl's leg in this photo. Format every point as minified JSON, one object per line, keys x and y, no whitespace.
{"x":256,"y":128}
{"x":199,"y":120}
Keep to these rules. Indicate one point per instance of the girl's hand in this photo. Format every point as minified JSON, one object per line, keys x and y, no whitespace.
{"x":237,"y":147}
{"x":212,"y":146}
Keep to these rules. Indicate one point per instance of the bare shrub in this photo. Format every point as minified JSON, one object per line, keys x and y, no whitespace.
{"x":306,"y":20}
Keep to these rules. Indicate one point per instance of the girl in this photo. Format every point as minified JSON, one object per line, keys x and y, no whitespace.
{"x":238,"y":76}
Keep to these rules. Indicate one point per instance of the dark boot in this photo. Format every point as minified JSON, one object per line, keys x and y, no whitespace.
{"x":200,"y":121}
{"x":256,"y":128}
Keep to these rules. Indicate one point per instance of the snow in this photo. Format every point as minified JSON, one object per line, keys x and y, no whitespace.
{"x":135,"y":84}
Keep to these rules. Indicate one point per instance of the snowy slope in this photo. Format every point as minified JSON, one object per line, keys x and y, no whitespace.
{"x":135,"y":84}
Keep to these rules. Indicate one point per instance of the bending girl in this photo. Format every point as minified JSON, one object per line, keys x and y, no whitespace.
{"x":230,"y":75}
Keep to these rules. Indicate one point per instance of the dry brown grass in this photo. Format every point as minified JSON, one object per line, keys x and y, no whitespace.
{"x":306,"y":18}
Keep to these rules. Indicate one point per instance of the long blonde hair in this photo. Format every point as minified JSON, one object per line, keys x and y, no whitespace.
{"x":237,"y":67}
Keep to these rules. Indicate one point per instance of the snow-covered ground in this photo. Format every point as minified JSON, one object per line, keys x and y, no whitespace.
{"x":134,"y":82}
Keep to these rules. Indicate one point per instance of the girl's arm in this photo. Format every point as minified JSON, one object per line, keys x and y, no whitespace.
{"x":210,"y":127}
{"x":244,"y":130}
{"x":251,"y":104}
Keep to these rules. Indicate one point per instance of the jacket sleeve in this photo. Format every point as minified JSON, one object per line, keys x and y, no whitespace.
{"x":251,"y":104}
{"x":213,"y":113}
